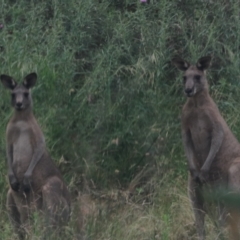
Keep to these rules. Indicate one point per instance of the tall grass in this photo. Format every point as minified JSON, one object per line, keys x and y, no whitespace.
{"x":109,"y":101}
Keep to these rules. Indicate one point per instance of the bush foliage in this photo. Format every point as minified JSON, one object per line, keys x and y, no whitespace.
{"x":107,"y":97}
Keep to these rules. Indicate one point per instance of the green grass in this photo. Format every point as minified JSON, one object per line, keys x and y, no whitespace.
{"x":109,"y":101}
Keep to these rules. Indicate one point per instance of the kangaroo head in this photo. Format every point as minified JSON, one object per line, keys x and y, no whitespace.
{"x":21,"y":97}
{"x":194,"y":77}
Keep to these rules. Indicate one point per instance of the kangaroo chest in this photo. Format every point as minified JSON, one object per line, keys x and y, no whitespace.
{"x":200,"y":129}
{"x":21,"y":138}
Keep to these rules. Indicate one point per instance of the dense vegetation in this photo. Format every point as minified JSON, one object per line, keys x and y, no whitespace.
{"x":109,"y":101}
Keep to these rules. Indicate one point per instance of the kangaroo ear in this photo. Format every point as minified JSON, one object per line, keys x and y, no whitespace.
{"x":8,"y":81}
{"x":180,"y":63}
{"x":30,"y":80}
{"x":203,"y":63}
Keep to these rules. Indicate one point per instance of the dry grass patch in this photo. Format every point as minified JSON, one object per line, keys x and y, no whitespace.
{"x":165,"y":214}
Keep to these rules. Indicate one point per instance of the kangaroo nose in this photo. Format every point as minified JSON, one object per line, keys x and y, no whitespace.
{"x":19,"y":104}
{"x":188,"y":90}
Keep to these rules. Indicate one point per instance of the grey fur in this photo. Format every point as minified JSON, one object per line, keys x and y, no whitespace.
{"x":212,"y":151}
{"x":35,"y":182}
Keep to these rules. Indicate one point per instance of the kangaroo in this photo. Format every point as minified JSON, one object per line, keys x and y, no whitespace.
{"x":35,"y":182}
{"x":212,"y":151}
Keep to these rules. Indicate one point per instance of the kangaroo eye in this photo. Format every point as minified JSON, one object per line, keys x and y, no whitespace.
{"x":197,"y":77}
{"x":184,"y":79}
{"x":13,"y":95}
{"x":26,"y":94}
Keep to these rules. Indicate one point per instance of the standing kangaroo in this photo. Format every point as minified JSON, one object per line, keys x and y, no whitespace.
{"x":35,"y":182}
{"x":212,"y":151}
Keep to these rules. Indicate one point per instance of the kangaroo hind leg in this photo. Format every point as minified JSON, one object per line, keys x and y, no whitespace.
{"x":14,"y":215}
{"x":55,"y":204}
{"x":195,"y":195}
{"x":232,"y":200}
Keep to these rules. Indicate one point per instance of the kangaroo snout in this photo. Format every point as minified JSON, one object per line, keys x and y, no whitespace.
{"x":18,"y":104}
{"x":189,"y":91}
